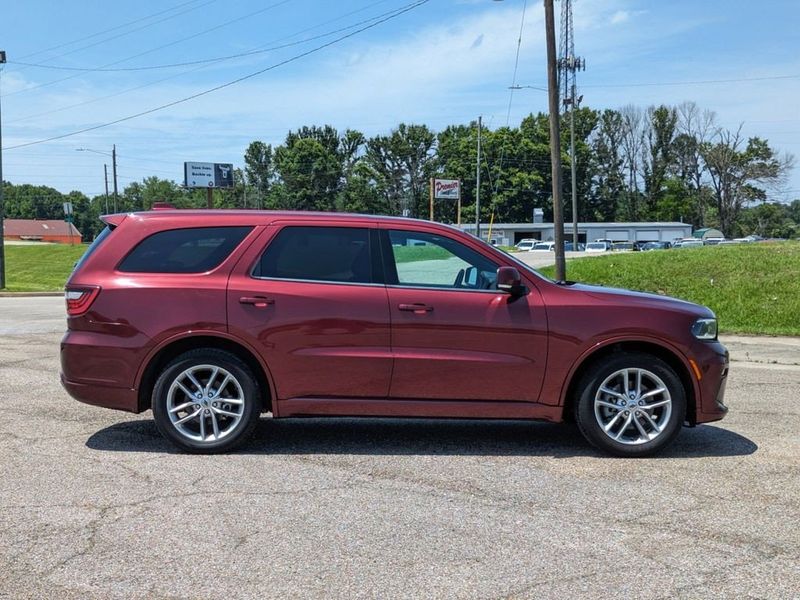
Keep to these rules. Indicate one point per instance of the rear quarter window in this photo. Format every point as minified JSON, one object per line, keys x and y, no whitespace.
{"x":101,"y":237}
{"x":193,"y":250}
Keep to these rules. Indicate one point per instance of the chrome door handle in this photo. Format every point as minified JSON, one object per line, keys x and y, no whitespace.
{"x":417,"y":308}
{"x":257,"y":301}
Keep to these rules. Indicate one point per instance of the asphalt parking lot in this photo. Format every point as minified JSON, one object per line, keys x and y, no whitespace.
{"x":93,"y":504}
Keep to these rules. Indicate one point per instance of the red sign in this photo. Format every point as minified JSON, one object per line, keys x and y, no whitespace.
{"x":448,"y":189}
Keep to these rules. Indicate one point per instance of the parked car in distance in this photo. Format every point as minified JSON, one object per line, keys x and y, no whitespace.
{"x":624,"y":247}
{"x":657,"y":246}
{"x":568,"y":247}
{"x":211,"y":318}
{"x":713,"y":241}
{"x":544,"y":247}
{"x":691,"y":243}
{"x":598,"y":247}
{"x":525,"y":245}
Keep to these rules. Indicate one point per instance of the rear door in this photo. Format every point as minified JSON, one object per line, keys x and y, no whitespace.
{"x":310,"y":298}
{"x":454,"y":335}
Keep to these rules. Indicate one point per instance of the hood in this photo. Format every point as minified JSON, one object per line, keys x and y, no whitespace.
{"x":609,"y":294}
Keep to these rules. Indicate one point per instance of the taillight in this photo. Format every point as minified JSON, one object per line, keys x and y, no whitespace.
{"x":79,"y":299}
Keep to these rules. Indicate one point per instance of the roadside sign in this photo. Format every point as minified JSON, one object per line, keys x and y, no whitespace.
{"x":208,"y":175}
{"x":447,"y":189}
{"x":68,"y":209}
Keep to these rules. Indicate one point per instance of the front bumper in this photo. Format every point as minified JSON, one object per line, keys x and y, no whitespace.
{"x":714,"y":363}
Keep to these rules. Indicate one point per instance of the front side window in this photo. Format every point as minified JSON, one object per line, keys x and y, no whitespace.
{"x":332,"y":254}
{"x":194,"y":250}
{"x":428,"y":260}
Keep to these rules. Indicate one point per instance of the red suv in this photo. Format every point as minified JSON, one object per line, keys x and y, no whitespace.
{"x":211,"y":318}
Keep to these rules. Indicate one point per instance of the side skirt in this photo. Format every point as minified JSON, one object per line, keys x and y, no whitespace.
{"x":368,"y":407}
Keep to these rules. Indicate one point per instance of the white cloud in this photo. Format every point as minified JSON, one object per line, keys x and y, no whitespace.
{"x":620,"y":17}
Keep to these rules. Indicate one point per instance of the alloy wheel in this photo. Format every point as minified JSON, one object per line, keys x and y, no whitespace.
{"x":633,"y":406}
{"x":205,"y":403}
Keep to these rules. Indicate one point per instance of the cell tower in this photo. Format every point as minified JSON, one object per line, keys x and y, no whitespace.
{"x":568,"y":66}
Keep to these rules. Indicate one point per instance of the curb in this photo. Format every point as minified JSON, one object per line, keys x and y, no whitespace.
{"x":30,"y":294}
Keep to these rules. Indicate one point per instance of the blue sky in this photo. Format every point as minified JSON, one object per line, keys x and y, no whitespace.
{"x":444,"y":62}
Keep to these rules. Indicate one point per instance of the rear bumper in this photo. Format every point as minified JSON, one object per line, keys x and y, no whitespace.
{"x":98,"y":395}
{"x":99,"y":369}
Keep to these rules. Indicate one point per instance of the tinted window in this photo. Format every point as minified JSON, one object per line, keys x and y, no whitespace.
{"x":94,"y":246}
{"x":184,"y":250}
{"x":337,"y":254}
{"x":426,"y":260}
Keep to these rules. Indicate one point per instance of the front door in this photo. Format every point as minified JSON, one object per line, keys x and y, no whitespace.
{"x":454,"y":335}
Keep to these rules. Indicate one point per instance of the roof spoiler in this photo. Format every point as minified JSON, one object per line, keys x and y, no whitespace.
{"x":113,"y":220}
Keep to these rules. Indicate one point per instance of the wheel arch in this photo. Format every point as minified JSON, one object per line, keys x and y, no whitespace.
{"x":174,"y":347}
{"x":669,"y":355}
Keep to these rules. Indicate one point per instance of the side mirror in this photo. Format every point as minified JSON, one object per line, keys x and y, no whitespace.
{"x":510,"y":281}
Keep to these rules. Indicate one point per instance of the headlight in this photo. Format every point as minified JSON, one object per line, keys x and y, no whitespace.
{"x":705,"y":329}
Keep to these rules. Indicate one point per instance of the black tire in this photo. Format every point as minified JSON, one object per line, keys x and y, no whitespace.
{"x":662,"y":422}
{"x":228,"y":414}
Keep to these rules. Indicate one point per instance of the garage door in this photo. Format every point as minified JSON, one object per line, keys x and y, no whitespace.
{"x":667,"y":235}
{"x":647,"y":235}
{"x":618,"y":235}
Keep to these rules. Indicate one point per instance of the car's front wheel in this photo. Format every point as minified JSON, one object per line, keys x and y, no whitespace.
{"x":631,"y":404}
{"x":206,"y":401}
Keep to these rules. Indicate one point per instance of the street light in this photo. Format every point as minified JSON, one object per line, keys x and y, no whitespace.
{"x":526,"y":87}
{"x":113,"y":156}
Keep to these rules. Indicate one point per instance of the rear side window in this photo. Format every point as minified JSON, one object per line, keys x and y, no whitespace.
{"x":335,"y":254}
{"x":194,"y":250}
{"x":93,"y":247}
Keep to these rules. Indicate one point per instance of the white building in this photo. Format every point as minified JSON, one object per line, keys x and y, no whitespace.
{"x":508,"y":234}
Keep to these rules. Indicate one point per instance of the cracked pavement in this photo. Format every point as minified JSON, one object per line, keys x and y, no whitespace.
{"x":94,"y":504}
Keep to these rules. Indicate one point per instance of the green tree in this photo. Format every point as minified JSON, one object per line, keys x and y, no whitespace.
{"x":401,"y":164}
{"x":660,"y":126}
{"x":609,"y":184}
{"x":259,"y":170}
{"x":738,"y":170}
{"x":769,"y":219}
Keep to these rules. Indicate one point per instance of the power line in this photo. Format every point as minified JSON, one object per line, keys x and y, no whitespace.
{"x":408,"y":8}
{"x":214,"y":59}
{"x":53,"y":82}
{"x":692,"y":82}
{"x":202,"y":63}
{"x":109,"y":30}
{"x":510,"y":100}
{"x":696,"y":82}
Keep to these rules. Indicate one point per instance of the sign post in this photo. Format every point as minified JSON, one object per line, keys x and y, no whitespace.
{"x":430,"y":187}
{"x":68,"y":212}
{"x":447,"y":189}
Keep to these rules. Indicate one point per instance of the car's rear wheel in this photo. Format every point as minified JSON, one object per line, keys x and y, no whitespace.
{"x":206,"y":401}
{"x":630,"y":404}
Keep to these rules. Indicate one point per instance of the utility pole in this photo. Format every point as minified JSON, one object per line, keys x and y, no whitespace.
{"x":555,"y":139}
{"x":114,"y":172}
{"x":568,"y":64}
{"x":105,"y":171}
{"x":2,"y":202}
{"x":478,"y":184}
